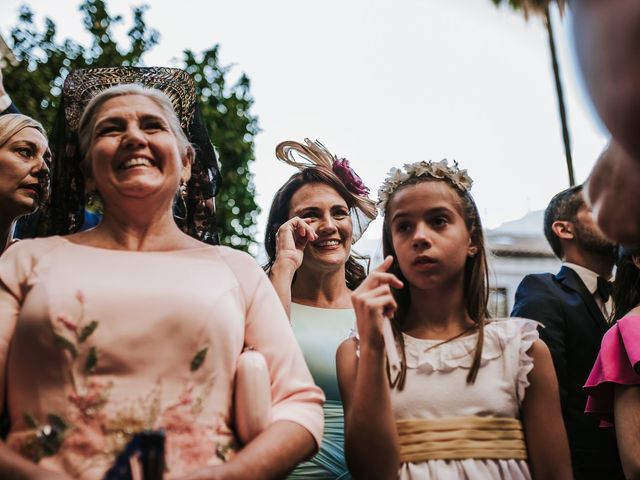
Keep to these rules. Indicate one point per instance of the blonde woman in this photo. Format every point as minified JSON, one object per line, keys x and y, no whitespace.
{"x":24,"y":170}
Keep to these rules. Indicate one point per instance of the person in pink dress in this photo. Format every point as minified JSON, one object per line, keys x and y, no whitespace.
{"x":613,"y":387}
{"x":136,"y":325}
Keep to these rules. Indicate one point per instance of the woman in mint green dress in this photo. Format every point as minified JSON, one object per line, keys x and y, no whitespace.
{"x":314,"y":219}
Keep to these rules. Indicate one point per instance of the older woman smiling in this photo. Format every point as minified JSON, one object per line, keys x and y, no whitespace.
{"x":149,"y":336}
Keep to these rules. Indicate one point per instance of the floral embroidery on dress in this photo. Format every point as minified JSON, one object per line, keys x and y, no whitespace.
{"x":45,"y":440}
{"x":88,"y":434}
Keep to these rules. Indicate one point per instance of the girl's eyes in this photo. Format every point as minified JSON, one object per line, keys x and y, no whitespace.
{"x":340,"y":213}
{"x":403,"y":227}
{"x":440,"y":221}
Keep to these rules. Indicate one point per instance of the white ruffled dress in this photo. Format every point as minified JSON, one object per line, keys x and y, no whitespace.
{"x":436,"y":387}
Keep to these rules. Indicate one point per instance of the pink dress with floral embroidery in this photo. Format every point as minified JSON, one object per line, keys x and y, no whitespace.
{"x":98,"y":344}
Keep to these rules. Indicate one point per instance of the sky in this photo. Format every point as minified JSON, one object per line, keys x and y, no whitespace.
{"x":387,"y":82}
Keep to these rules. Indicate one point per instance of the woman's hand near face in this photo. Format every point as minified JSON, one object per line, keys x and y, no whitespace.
{"x":291,"y":239}
{"x":372,"y":302}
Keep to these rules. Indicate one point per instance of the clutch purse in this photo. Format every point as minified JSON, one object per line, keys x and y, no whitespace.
{"x":252,"y":395}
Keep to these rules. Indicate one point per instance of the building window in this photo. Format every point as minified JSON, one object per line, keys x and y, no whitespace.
{"x":498,"y":304}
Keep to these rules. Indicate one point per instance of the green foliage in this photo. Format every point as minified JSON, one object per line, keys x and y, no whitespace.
{"x":226,"y":110}
{"x":36,"y":82}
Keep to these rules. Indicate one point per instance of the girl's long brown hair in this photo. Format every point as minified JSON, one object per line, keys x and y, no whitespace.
{"x":476,"y":278}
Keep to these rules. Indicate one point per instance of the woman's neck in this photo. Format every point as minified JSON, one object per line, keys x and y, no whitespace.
{"x":325,"y":289}
{"x":131,"y":232}
{"x":437,"y":313}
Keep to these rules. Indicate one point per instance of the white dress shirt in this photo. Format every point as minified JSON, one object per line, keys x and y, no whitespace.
{"x":590,"y":280}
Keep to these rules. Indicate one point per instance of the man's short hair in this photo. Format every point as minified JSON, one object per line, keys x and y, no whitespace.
{"x":563,"y":206}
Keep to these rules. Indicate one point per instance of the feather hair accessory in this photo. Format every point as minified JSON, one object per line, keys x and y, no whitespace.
{"x":315,"y":155}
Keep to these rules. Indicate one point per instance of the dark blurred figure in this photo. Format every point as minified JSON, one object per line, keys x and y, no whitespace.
{"x":608,"y":48}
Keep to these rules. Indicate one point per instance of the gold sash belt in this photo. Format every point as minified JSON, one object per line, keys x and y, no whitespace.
{"x":458,"y":438}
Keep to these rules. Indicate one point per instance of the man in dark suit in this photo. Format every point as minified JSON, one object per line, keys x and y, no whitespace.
{"x":574,"y":306}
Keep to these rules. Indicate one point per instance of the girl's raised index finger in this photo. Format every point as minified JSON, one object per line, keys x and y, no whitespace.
{"x":385,"y":265}
{"x":383,"y":276}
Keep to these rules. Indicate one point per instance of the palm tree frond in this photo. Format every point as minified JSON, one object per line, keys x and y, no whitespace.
{"x":532,"y":7}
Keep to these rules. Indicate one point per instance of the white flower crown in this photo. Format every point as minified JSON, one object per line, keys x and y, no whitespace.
{"x":399,"y":176}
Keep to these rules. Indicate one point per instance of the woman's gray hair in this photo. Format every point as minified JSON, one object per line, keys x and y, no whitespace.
{"x":88,"y":118}
{"x":12,"y":123}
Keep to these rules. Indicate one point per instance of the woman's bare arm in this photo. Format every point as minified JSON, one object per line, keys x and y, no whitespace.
{"x":15,"y":467}
{"x":370,"y":435}
{"x":291,"y":240}
{"x":281,"y":276}
{"x":271,"y":455}
{"x":12,"y":465}
{"x":626,"y":411}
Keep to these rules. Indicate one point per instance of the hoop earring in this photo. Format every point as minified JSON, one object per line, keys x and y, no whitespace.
{"x":180,"y":211}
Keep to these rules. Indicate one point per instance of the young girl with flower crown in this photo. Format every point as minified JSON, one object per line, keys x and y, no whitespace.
{"x":473,"y":398}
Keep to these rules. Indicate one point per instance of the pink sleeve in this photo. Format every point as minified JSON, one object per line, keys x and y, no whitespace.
{"x":294,"y":395}
{"x":618,"y":363}
{"x":16,"y":264}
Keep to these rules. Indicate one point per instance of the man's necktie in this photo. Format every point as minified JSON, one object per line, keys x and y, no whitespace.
{"x":604,"y":289}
